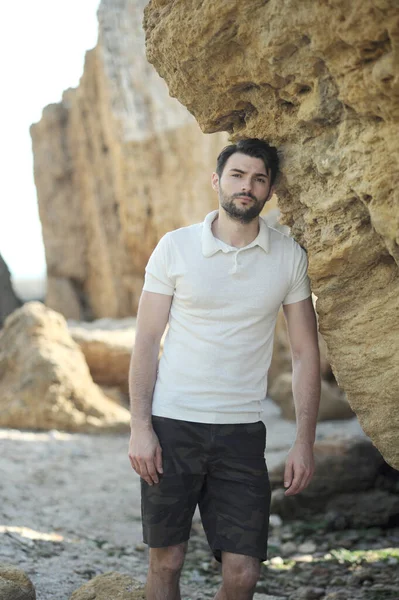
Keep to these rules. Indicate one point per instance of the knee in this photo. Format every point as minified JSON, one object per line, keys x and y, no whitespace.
{"x":242,"y":577}
{"x":167,"y":560}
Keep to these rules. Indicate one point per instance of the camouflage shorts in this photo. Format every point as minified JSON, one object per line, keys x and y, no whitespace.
{"x":220,"y":468}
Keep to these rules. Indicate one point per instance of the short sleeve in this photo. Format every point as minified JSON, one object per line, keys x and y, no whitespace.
{"x":300,"y":285}
{"x":157,"y":278}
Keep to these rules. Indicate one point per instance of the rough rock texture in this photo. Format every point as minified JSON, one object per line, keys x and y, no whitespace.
{"x":117,"y":164}
{"x":44,"y":380}
{"x":15,"y":584}
{"x":8,"y":299}
{"x":110,"y":585}
{"x":320,"y":81}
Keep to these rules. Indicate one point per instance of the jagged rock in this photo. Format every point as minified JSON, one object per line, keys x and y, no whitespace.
{"x":15,"y":584}
{"x":117,"y":164}
{"x":8,"y":298}
{"x":327,"y":97}
{"x":110,"y":586}
{"x":44,"y":380}
{"x":333,"y":404}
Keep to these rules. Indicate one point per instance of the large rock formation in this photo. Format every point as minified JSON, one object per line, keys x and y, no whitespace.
{"x":117,"y":164}
{"x":45,"y":382}
{"x":320,"y":81}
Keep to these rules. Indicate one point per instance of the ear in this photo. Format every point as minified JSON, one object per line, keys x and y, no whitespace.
{"x":215,"y":181}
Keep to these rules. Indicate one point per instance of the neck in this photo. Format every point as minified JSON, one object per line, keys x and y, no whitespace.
{"x":233,"y":232}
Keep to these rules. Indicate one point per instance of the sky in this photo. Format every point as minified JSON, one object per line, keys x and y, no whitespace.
{"x":42,"y":50}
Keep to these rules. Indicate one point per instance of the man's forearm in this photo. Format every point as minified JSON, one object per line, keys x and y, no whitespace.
{"x":306,"y":391}
{"x":142,"y":376}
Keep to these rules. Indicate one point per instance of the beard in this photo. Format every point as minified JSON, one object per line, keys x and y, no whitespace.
{"x":243,"y":214}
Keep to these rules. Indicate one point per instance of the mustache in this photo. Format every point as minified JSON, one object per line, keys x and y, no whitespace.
{"x":249,"y":195}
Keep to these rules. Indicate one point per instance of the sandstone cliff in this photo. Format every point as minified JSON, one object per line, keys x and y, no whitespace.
{"x":117,"y":164}
{"x":320,"y":81}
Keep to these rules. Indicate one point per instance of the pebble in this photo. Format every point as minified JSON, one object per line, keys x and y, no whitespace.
{"x":307,"y":593}
{"x":288,"y":548}
{"x":276,"y":560}
{"x":275,"y":521}
{"x":307,"y":547}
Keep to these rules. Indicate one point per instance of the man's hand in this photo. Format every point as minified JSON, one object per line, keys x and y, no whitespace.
{"x":299,"y":468}
{"x":145,"y":454}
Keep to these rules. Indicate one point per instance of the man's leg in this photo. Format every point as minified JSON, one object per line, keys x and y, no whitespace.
{"x":165,"y":566}
{"x":240,"y":574}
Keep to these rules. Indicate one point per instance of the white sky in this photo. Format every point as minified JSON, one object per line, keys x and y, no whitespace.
{"x":42,"y":49}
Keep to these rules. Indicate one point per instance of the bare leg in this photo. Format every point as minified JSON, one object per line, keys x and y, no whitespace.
{"x":164,"y":572}
{"x":240,"y":574}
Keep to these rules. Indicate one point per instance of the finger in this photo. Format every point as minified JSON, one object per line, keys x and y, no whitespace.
{"x":133,"y":463}
{"x":158,"y":459}
{"x":299,"y":482}
{"x":152,"y":470}
{"x":143,"y":471}
{"x":288,"y":474}
{"x":136,"y":466}
{"x":294,"y":487}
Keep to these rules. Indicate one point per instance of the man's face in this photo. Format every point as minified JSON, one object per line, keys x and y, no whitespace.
{"x":243,"y":188}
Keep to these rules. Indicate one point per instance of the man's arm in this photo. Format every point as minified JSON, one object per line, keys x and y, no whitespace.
{"x":145,"y":453}
{"x":302,"y":332}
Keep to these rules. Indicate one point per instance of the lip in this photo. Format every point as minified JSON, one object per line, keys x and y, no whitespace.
{"x":245,"y":198}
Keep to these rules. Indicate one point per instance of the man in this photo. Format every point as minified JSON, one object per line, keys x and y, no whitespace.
{"x":196,"y":432}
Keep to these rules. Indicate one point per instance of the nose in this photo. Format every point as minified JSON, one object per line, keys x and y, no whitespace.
{"x":246,"y":185}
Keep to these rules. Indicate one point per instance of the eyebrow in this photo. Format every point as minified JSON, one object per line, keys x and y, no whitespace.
{"x":256,"y":174}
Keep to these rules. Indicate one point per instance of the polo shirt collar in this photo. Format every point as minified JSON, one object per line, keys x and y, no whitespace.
{"x":211,"y":244}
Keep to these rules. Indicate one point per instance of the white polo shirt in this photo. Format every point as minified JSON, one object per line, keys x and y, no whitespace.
{"x":219,"y":344}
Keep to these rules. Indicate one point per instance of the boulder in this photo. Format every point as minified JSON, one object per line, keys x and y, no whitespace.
{"x":44,"y":379}
{"x":346,"y":468}
{"x":110,"y":586}
{"x":15,"y":584}
{"x":327,"y":97}
{"x":107,"y":346}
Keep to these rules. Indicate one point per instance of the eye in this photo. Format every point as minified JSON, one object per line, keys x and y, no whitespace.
{"x":236,"y":174}
{"x":261,"y":180}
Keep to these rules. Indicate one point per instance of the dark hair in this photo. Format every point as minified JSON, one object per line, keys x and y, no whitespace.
{"x":255,"y":148}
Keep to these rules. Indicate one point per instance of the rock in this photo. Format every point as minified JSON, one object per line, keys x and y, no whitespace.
{"x":128,"y":163}
{"x":343,"y":466}
{"x":327,"y":98}
{"x":15,"y":584}
{"x":8,"y":298}
{"x":107,"y":350}
{"x":333,"y":404}
{"x":288,"y":548}
{"x":110,"y":586}
{"x":44,"y":380}
{"x":307,"y":547}
{"x":307,"y":593}
{"x":369,"y":509}
{"x":275,"y":521}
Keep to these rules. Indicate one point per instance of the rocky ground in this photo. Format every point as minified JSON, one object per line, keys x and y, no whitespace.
{"x":70,"y":510}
